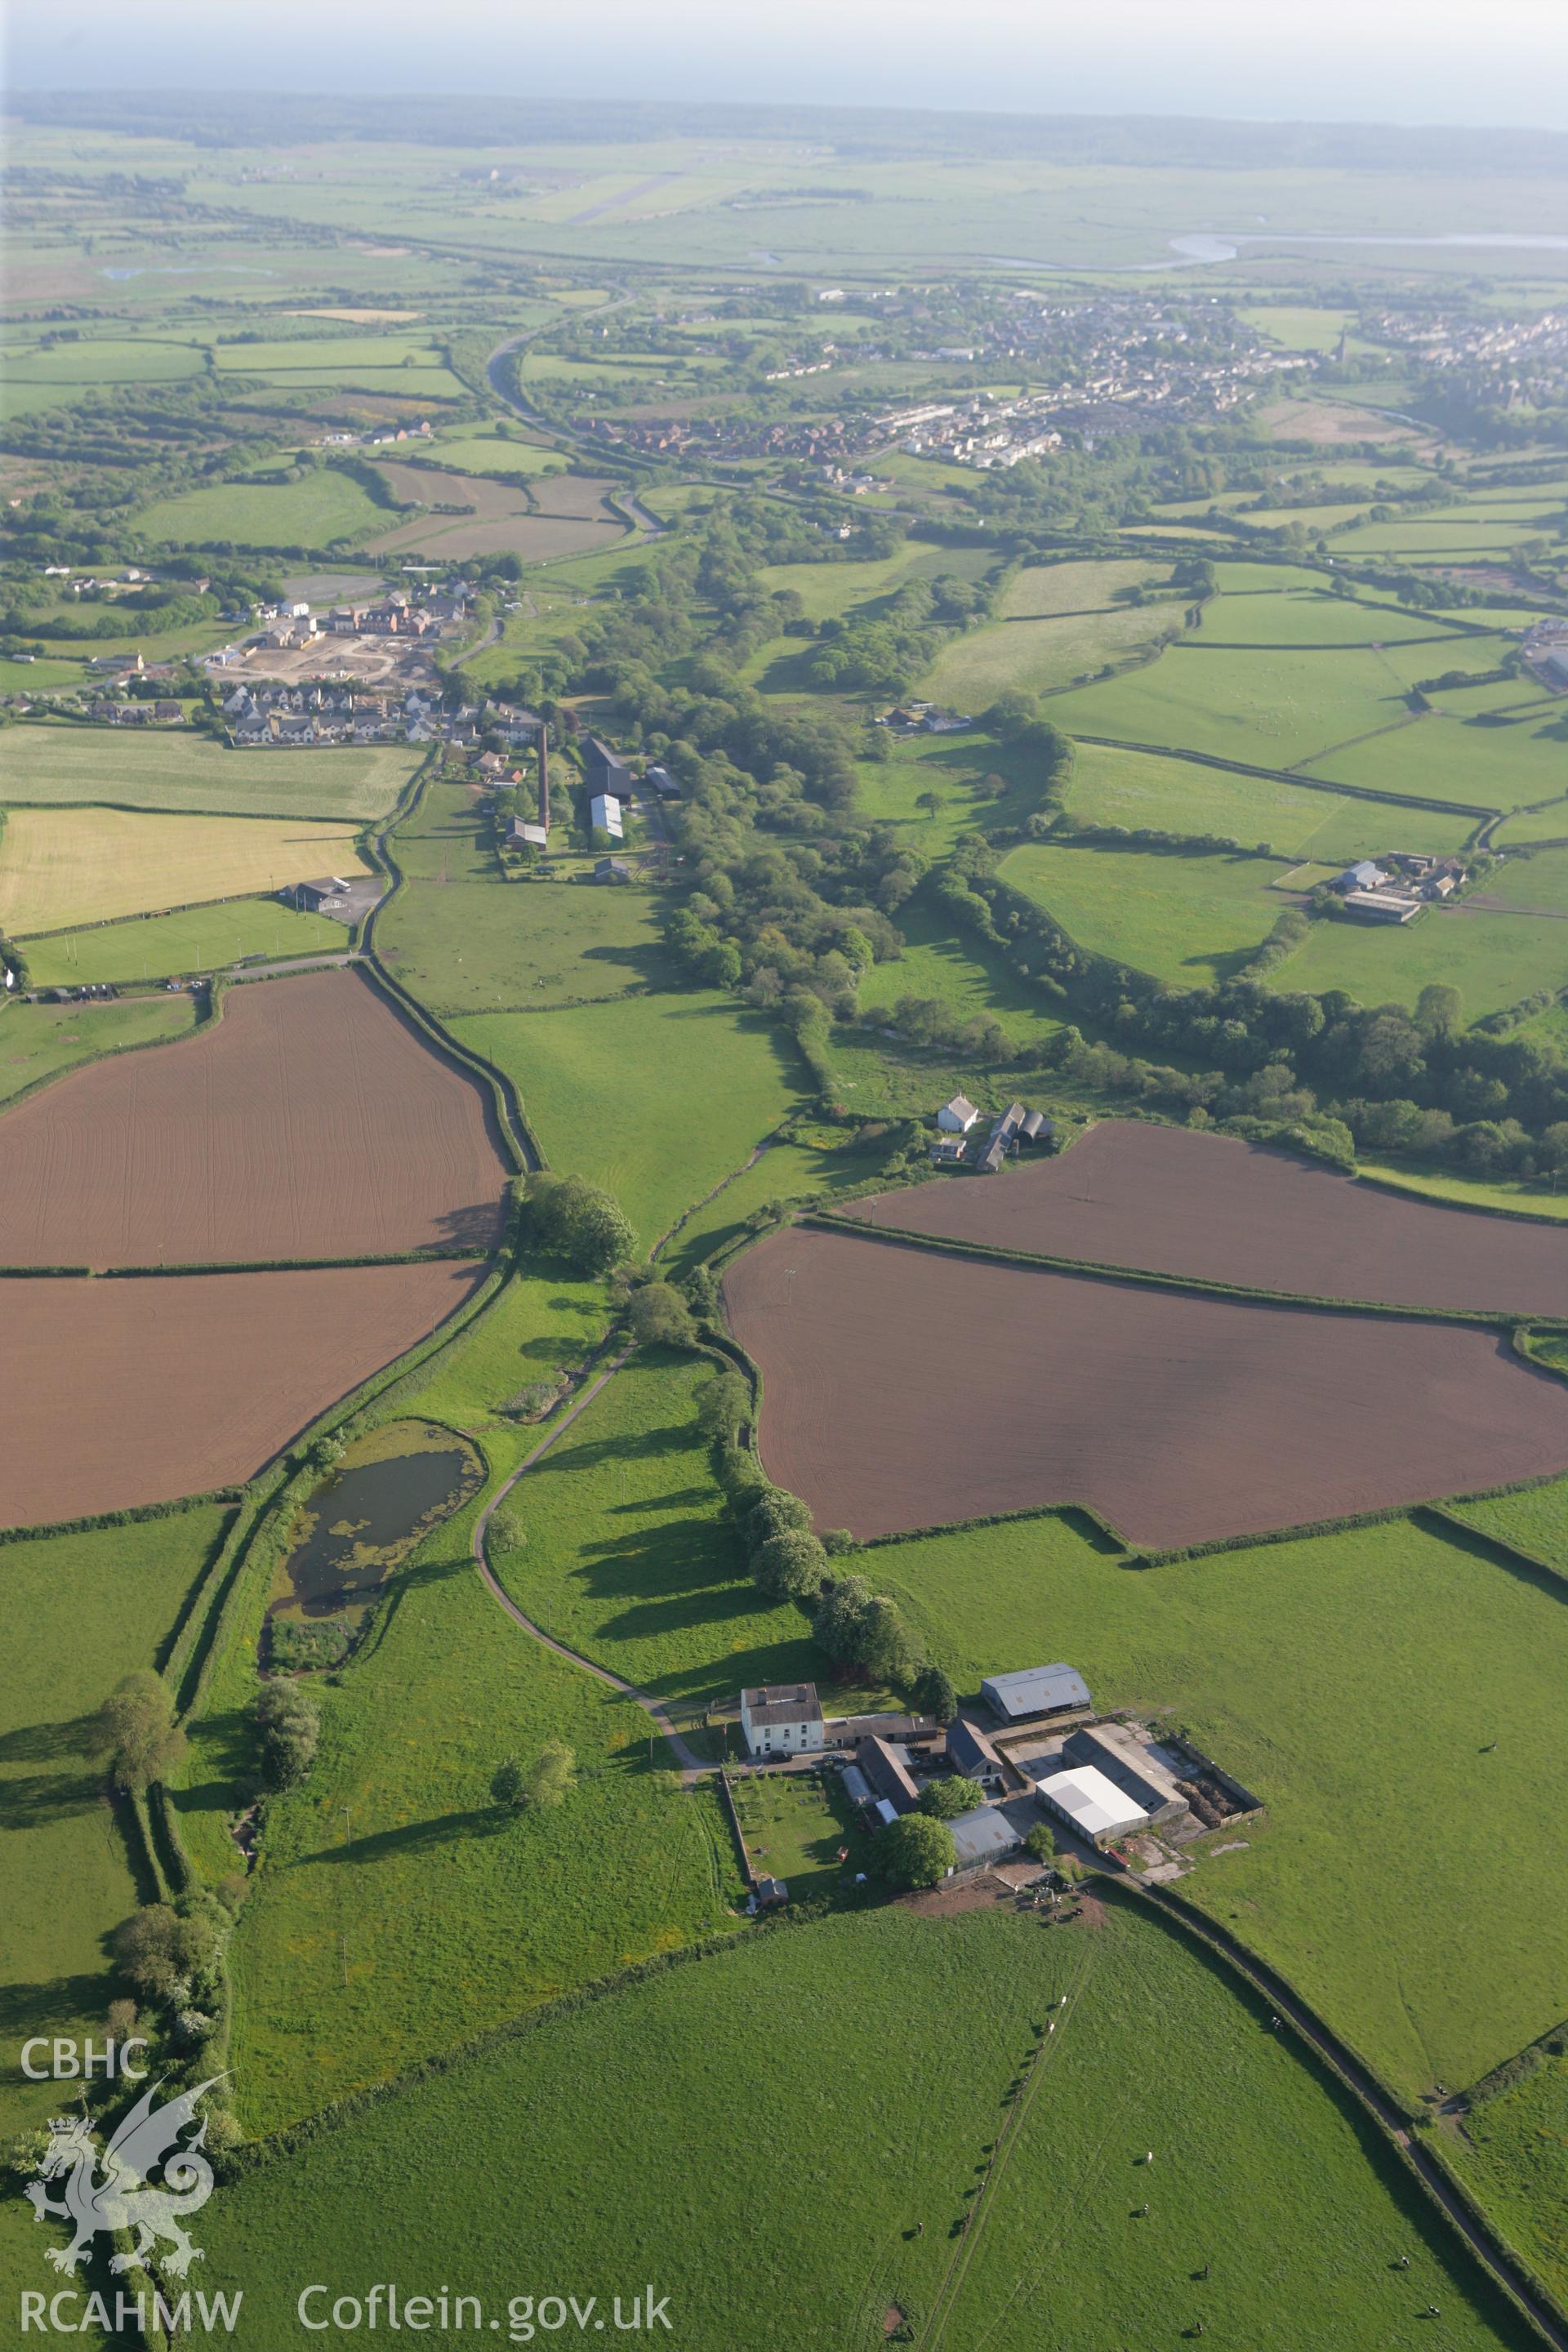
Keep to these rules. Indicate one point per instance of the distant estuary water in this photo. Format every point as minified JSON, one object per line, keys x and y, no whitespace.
{"x":1201,"y":248}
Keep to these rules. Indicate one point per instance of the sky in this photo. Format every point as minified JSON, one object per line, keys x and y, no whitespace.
{"x":1409,"y":61}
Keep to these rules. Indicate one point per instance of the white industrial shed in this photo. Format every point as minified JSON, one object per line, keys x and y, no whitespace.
{"x":1090,"y":1804}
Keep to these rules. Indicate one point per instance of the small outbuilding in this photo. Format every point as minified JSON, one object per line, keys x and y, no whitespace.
{"x":522,"y":835}
{"x":983,"y":1837}
{"x":311,"y":898}
{"x":886,"y":1765}
{"x":971,"y":1752}
{"x":612,"y":869}
{"x":856,"y":1788}
{"x":1090,"y":1804}
{"x":1033,"y":1691}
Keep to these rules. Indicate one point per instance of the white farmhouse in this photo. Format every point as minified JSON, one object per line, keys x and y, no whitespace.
{"x":957,"y":1117}
{"x":782,"y":1719}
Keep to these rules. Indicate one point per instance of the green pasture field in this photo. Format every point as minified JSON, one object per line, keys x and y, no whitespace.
{"x":201,"y":938}
{"x":656,"y":1097}
{"x":958,"y":973}
{"x":473,"y":946}
{"x":544,"y":1322}
{"x":41,"y":675}
{"x":1042,"y":591}
{"x":830,"y":591}
{"x":1261,"y":2174}
{"x":628,"y":1558}
{"x":1535,"y":1519}
{"x":1529,"y":824}
{"x":1261,"y":576}
{"x":56,"y":764}
{"x":451,"y":1916}
{"x":95,"y":363}
{"x":1366,"y":1752}
{"x":42,"y":1041}
{"x":787,"y":1171}
{"x":956,"y":767}
{"x":1318,"y":522}
{"x":1141,"y":788}
{"x":326,"y":506}
{"x":76,"y":1612}
{"x":1298,"y":328}
{"x":1487,"y":759}
{"x":1538,"y":882}
{"x":1274,"y":710}
{"x":1189,"y":920}
{"x":486,"y":453}
{"x":1493,"y":960}
{"x":389,"y":384}
{"x":444,"y":838}
{"x":1457,"y":538}
{"x":1033,"y":655}
{"x":1465,"y":1192}
{"x":1510,"y":2150}
{"x":1311,"y":618}
{"x":321,"y":355}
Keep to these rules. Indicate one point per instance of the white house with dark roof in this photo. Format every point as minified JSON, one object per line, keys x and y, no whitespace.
{"x":782,"y":1719}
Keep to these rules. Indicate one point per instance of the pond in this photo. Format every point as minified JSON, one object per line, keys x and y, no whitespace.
{"x":369,"y":1514}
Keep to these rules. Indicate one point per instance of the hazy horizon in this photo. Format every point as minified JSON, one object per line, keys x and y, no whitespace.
{"x":1447,"y":63}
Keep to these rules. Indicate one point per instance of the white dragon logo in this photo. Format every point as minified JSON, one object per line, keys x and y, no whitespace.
{"x":148,"y":2139}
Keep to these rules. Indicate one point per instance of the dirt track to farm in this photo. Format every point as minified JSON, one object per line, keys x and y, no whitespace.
{"x":139,"y":1391}
{"x":1173,"y":1202}
{"x":903,"y":1388}
{"x":311,"y":1120}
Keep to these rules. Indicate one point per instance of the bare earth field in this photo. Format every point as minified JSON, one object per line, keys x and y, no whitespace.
{"x":310,"y":1122}
{"x":142,"y":1390}
{"x":906,"y":1389}
{"x":1171,"y":1201}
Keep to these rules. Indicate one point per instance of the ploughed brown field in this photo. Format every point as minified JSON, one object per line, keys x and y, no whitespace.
{"x":311,"y":1120}
{"x":142,"y":1390}
{"x":1173,"y":1202}
{"x":903,"y":1388}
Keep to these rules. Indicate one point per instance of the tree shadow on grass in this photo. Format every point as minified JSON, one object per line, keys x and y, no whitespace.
{"x":677,"y":1557}
{"x":645,"y":960}
{"x":28,"y":2009}
{"x":585,"y":1451}
{"x":44,"y":1798}
{"x":413,"y":1837}
{"x":226,"y":1749}
{"x":43,"y":1743}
